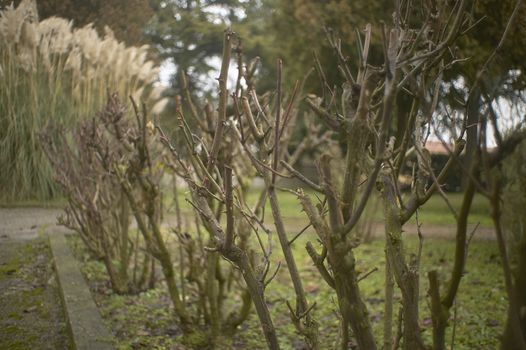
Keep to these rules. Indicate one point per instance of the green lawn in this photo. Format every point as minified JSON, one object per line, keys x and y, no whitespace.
{"x":434,"y":212}
{"x":146,"y":322}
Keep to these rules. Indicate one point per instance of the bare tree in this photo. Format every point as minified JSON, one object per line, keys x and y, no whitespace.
{"x":212,"y":165}
{"x":375,"y":157}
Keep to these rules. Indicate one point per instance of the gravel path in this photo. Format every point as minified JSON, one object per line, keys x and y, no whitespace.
{"x":22,"y":224}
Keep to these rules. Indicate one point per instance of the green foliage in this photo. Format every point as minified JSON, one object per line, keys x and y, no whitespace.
{"x":189,"y":33}
{"x":513,"y":218}
{"x":480,"y":42}
{"x":127,"y":18}
{"x":297,"y":29}
{"x":514,"y":211}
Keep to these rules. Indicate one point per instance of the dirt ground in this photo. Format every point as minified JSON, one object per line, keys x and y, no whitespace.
{"x":32,"y":314}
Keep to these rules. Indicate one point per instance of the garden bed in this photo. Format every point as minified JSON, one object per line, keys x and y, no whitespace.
{"x":146,"y":321}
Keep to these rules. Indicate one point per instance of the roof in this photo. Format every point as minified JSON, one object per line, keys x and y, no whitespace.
{"x":437,"y":147}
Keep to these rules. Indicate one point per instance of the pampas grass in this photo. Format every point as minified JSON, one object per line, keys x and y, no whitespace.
{"x":53,"y":73}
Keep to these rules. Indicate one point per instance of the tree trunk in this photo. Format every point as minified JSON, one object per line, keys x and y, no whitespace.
{"x":240,"y":259}
{"x":471,"y":134}
{"x":388,"y":307}
{"x":311,"y":327}
{"x":350,"y":302}
{"x":406,"y":274}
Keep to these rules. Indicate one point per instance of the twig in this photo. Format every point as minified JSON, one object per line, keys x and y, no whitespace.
{"x":497,"y":49}
{"x":454,"y":330}
{"x":302,"y":177}
{"x":273,"y":275}
{"x":367,"y":274}
{"x":399,"y":332}
{"x":229,"y":236}
{"x":275,"y":160}
{"x":223,"y":97}
{"x":299,"y":233}
{"x":286,"y":117}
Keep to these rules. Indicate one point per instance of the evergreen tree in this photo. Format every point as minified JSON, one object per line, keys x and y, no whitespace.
{"x":190,"y":34}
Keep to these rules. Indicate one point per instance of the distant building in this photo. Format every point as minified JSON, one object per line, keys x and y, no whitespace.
{"x":437,"y":147}
{"x":440,"y":154}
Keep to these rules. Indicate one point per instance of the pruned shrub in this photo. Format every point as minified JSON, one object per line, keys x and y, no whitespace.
{"x":97,"y":208}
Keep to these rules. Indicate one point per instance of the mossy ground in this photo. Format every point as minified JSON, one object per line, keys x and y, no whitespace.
{"x":30,"y":306}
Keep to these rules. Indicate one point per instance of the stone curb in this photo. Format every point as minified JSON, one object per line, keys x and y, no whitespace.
{"x":85,"y":325}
